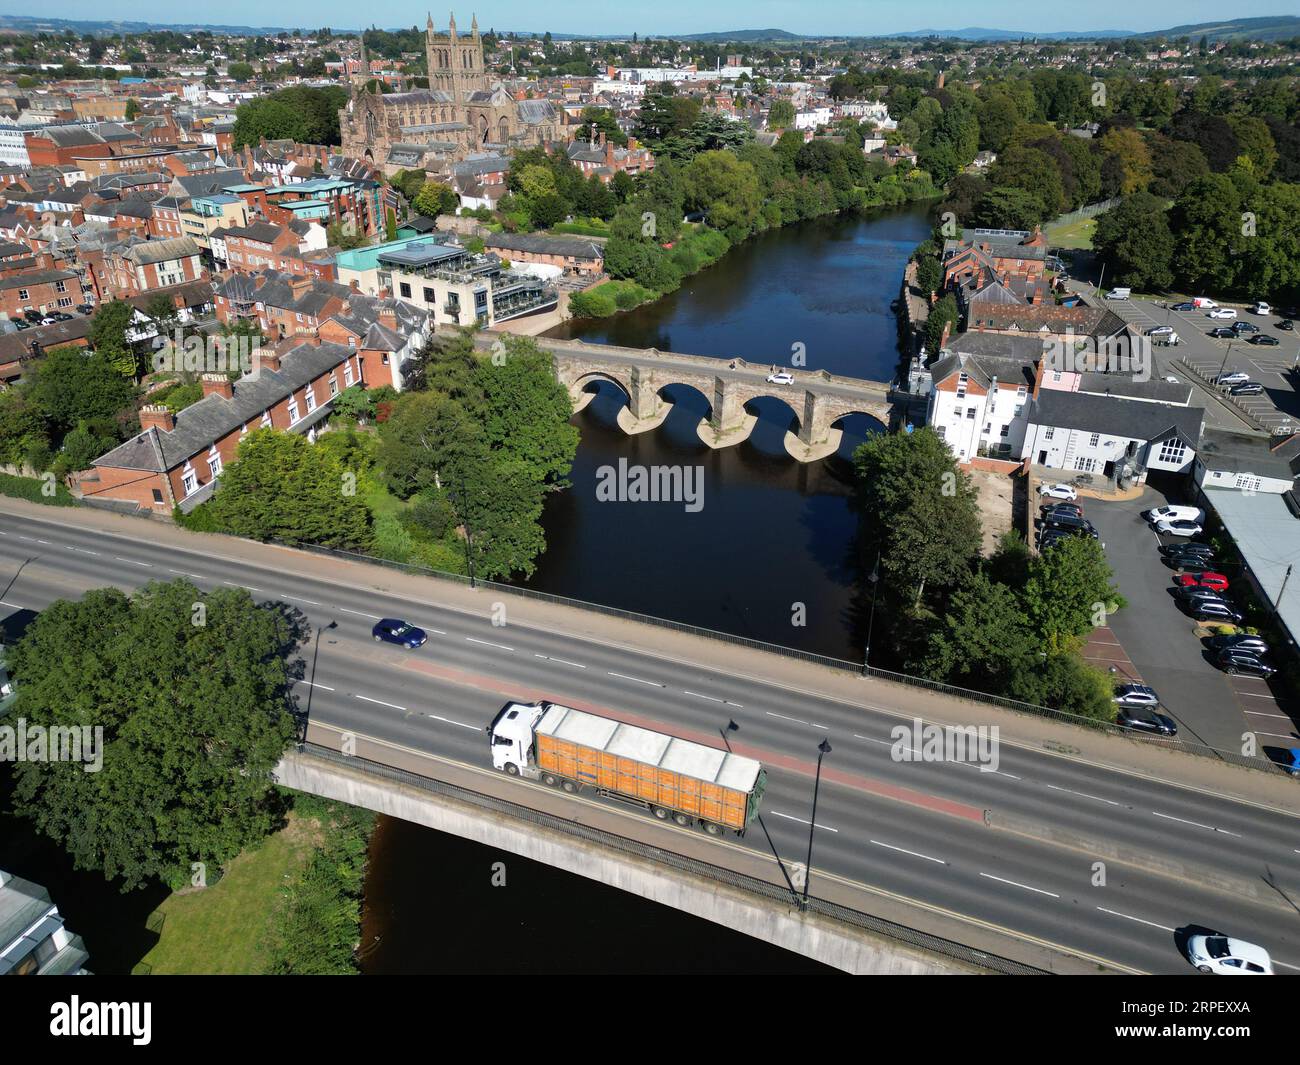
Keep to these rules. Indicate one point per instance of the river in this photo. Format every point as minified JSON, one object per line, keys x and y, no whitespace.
{"x":772,"y":545}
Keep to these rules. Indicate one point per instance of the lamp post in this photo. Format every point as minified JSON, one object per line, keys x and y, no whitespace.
{"x":1224,"y":364}
{"x":730,"y":727}
{"x":823,"y":749}
{"x":871,"y":621}
{"x":464,"y":517}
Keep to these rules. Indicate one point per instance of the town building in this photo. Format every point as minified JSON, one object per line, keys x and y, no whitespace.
{"x":33,"y":938}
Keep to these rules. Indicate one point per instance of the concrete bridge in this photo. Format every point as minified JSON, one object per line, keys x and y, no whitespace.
{"x":817,"y":398}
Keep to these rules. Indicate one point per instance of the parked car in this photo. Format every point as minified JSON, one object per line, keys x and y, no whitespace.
{"x":1194,"y":594}
{"x":1244,"y":327}
{"x":86,"y":308}
{"x":1286,"y":324}
{"x":33,"y":316}
{"x":1261,"y":308}
{"x":1210,"y":610}
{"x":1223,"y":956}
{"x":1232,"y":377}
{"x":1199,"y":557}
{"x":394,"y":630}
{"x":1250,"y":388}
{"x":21,"y":323}
{"x":1160,"y":331}
{"x":1119,"y":293}
{"x":1187,"y":305}
{"x":1070,"y":523}
{"x":1221,"y":332}
{"x":1264,"y":340}
{"x":1216,"y":582}
{"x":1192,"y":566}
{"x":1059,"y":491}
{"x":1144,"y":719}
{"x":1179,"y":527}
{"x":1172,"y":511}
{"x":59,"y":316}
{"x":1223,"y":312}
{"x":1243,"y":640}
{"x":780,"y":377}
{"x":1061,"y":508}
{"x":1136,"y":695}
{"x":1203,"y":303}
{"x":1239,"y":660}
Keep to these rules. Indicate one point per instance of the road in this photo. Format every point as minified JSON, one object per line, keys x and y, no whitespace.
{"x":913,"y":829}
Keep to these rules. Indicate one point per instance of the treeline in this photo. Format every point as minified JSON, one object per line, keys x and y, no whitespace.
{"x":299,"y":113}
{"x":1012,"y":625}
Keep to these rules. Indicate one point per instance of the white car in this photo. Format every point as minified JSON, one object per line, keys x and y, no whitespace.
{"x":1136,"y":695}
{"x":1160,"y":331}
{"x":1179,"y":527}
{"x":1172,"y":513}
{"x":780,"y":377}
{"x":1223,"y":312}
{"x":1262,"y":308}
{"x":1058,"y":491}
{"x":1233,"y":377}
{"x":1228,"y":957}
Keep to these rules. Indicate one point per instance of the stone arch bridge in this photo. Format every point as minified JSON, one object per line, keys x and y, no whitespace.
{"x":818,"y":399}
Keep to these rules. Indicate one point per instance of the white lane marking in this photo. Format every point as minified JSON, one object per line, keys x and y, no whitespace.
{"x":147,"y":565}
{"x":313,"y":684}
{"x":1286,"y":965}
{"x":638,"y":680}
{"x":797,"y":721}
{"x":360,"y":613}
{"x":489,"y":643}
{"x":45,"y":542}
{"x":1195,"y":824}
{"x":27,"y":538}
{"x":1013,"y":883}
{"x":791,"y":817}
{"x":183,"y":573}
{"x":711,"y":698}
{"x":1127,"y":917}
{"x":1085,"y":795}
{"x":5,"y":602}
{"x":904,"y":850}
{"x":236,"y":584}
{"x":449,"y":721}
{"x":561,"y":661}
{"x":311,"y":602}
{"x":367,"y":699}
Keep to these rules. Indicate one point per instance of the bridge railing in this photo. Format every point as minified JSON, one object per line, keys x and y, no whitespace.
{"x":830,"y":662}
{"x":773,"y":892}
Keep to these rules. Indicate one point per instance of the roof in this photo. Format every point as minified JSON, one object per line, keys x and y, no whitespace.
{"x":36,"y":277}
{"x":1244,"y":453}
{"x":1268,"y":536}
{"x":984,"y":368}
{"x":1113,"y":416}
{"x":160,"y":251}
{"x":1121,"y":384}
{"x":542,"y":244}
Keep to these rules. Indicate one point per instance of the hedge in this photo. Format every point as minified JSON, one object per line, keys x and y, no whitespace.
{"x":33,"y":490}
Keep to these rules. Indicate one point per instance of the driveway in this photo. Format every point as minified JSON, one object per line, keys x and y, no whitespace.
{"x":1159,"y":638}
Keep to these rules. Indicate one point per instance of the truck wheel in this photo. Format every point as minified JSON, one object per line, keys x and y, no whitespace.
{"x":512,"y":770}
{"x":713,"y":829}
{"x":682,"y":820}
{"x":550,"y":779}
{"x":660,"y":813}
{"x":568,"y":785}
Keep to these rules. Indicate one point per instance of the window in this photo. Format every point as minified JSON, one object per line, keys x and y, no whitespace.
{"x":1087,"y":465}
{"x":1049,"y":433}
{"x":266,"y":419}
{"x":404,"y":289}
{"x":214,"y":461}
{"x":293,"y":410}
{"x":310,"y":393}
{"x":334,"y":385}
{"x":1248,"y":482}
{"x":1005,"y":431}
{"x":962,"y":380}
{"x":189,"y":480}
{"x":429,"y":295}
{"x":60,"y":286}
{"x":1056,"y":376}
{"x":22,"y":294}
{"x":1094,"y":439}
{"x":157,"y":495}
{"x":970,"y":413}
{"x":347,"y":374}
{"x":1172,"y":451}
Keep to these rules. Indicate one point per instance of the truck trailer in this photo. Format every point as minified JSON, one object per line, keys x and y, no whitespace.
{"x":672,"y":778}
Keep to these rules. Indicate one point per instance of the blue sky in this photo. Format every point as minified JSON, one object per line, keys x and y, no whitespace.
{"x":684,"y":16}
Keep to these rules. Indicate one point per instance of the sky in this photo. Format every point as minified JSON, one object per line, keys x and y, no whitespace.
{"x":666,"y":17}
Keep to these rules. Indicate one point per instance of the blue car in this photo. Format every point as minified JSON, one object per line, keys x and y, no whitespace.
{"x":393,"y":630}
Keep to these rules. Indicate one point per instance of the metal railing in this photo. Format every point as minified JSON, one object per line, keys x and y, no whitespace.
{"x":692,"y":866}
{"x":858,"y":668}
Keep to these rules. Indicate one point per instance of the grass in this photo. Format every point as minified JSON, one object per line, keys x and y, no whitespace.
{"x":1074,"y":235}
{"x":222,"y":929}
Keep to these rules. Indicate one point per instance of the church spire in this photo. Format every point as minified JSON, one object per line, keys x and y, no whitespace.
{"x":452,"y":24}
{"x":473,"y":25}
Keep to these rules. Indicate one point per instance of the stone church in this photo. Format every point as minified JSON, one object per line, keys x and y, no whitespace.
{"x":464,"y":110}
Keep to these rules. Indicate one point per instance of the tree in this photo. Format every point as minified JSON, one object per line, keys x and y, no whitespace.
{"x":604,"y":121}
{"x":943,"y":314}
{"x":69,"y":386}
{"x":132,"y":111}
{"x":1009,"y":208}
{"x":282,"y":487}
{"x":191,"y":691}
{"x":780,"y":115}
{"x":1068,"y":592}
{"x":1206,"y":220}
{"x":526,"y":412}
{"x":425,"y":442}
{"x":1129,"y":160}
{"x":240,"y":71}
{"x":982,"y":640}
{"x":726,"y":190}
{"x":908,"y":487}
{"x":435,"y":198}
{"x":1135,"y":240}
{"x":108,"y":336}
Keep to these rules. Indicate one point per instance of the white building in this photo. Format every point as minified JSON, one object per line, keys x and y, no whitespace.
{"x":33,"y":939}
{"x":977,"y":404}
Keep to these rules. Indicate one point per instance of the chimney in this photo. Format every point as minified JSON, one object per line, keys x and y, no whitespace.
{"x":387,"y":317}
{"x":157,"y":417}
{"x":217,"y":384}
{"x":632,"y":144}
{"x":609,"y":152}
{"x":266,"y":359}
{"x":299,"y":286}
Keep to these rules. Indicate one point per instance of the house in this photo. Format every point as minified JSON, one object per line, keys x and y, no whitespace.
{"x":1003,"y":255}
{"x":33,"y":938}
{"x":1247,"y":463}
{"x":1122,"y":439}
{"x":579,"y":255}
{"x":977,"y":403}
{"x":39,"y":290}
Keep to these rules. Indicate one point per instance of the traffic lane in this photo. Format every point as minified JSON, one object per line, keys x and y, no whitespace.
{"x":783,"y":730}
{"x":1159,"y":638}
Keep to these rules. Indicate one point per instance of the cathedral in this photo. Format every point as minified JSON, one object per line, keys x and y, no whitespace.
{"x":463,"y":111}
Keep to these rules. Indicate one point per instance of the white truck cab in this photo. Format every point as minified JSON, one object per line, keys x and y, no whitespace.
{"x":512,"y":738}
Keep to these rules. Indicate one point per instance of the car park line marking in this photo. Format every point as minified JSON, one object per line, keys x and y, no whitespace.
{"x":1279,"y":735}
{"x":1013,"y":883}
{"x":1084,"y":795}
{"x":561,"y":661}
{"x":798,"y":721}
{"x":1256,"y":695}
{"x":488,"y":643}
{"x":902,"y":850}
{"x":313,"y":684}
{"x":1127,"y":917}
{"x":380,"y":702}
{"x":449,"y":721}
{"x":147,"y":565}
{"x":1260,"y":713}
{"x":638,"y":680}
{"x":791,"y":817}
{"x":360,"y":613}
{"x":295,"y":598}
{"x":1195,"y":824}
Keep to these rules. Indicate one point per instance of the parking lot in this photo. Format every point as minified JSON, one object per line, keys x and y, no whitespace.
{"x":1211,"y":707}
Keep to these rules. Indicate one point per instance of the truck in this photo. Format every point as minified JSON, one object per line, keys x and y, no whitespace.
{"x":691,"y":784}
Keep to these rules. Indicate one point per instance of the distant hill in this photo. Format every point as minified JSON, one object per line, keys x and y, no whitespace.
{"x":1272,"y":28}
{"x":740,"y":36}
{"x":978,"y":33}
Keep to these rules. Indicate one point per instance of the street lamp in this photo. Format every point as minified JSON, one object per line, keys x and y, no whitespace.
{"x":731,"y":727}
{"x":1225,"y":360}
{"x":464,"y":517}
{"x":823,"y":749}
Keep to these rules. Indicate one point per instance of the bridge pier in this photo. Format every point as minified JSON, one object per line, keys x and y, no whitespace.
{"x":645,"y":409}
{"x":728,"y":423}
{"x":815,"y":438}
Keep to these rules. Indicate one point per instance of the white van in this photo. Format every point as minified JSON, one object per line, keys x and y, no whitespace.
{"x":1201,"y":303}
{"x":1119,"y":293}
{"x":1174,"y":513}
